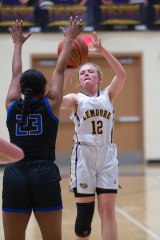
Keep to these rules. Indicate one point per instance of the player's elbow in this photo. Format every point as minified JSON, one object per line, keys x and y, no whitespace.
{"x":123,"y":75}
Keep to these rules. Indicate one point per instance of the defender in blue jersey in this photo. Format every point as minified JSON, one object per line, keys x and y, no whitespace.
{"x":33,"y":184}
{"x":94,"y":164}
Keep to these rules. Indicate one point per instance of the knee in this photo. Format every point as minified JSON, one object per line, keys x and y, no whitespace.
{"x":84,"y":218}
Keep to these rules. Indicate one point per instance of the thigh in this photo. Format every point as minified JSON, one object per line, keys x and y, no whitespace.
{"x":45,"y":188}
{"x":107,"y":177}
{"x":47,"y":197}
{"x":50,"y":224}
{"x":83,"y":198}
{"x":106,"y":204}
{"x":14,"y":225}
{"x":83,"y":172}
{"x":15,"y":194}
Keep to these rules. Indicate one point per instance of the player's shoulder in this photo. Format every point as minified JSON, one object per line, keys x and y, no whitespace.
{"x":71,"y":96}
{"x":70,"y":100}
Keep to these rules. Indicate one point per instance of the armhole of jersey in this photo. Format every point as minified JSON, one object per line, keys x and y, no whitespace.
{"x":9,"y":110}
{"x":73,"y":114}
{"x":50,"y":110}
{"x":107,"y":95}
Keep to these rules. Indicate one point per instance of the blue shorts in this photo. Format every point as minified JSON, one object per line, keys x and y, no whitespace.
{"x":31,"y":185}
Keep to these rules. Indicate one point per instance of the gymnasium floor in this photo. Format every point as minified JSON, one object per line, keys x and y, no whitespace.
{"x":137,"y":209}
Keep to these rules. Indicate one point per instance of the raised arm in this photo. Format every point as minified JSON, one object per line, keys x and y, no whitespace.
{"x":55,"y":93}
{"x":118,"y":80}
{"x":18,"y":40}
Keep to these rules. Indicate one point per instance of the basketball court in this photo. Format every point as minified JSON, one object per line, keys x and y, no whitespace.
{"x":138,"y":201}
{"x":137,"y":208}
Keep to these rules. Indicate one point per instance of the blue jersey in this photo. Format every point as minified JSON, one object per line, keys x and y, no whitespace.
{"x":37,"y":137}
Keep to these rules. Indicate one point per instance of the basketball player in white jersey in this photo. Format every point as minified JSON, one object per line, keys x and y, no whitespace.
{"x":94,"y":164}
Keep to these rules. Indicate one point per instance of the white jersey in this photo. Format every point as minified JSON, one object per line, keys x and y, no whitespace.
{"x":94,"y":120}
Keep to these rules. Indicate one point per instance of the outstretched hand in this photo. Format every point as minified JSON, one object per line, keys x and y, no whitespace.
{"x":74,"y":28}
{"x":17,"y":33}
{"x":96,"y":42}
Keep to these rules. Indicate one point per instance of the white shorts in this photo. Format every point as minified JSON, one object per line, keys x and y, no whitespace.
{"x":94,"y":167}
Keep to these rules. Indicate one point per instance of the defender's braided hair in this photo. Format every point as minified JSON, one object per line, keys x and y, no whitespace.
{"x":26,"y":105}
{"x":33,"y":83}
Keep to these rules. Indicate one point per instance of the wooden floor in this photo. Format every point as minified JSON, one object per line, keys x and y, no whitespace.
{"x":137,"y":208}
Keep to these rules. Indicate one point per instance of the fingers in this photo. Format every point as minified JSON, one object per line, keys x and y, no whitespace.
{"x":17,"y":26}
{"x":13,"y":28}
{"x":75,"y":26}
{"x":62,"y":29}
{"x":95,"y":39}
{"x":17,"y":32}
{"x":81,"y":26}
{"x":70,"y":21}
{"x":77,"y":23}
{"x":28,"y":35}
{"x":21,"y":24}
{"x":74,"y":22}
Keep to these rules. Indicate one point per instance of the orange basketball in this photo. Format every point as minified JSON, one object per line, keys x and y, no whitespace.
{"x":79,"y":52}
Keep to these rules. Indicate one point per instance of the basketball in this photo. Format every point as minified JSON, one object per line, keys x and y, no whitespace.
{"x":79,"y":52}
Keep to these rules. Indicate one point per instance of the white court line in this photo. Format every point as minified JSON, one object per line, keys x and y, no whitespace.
{"x":137,"y":223}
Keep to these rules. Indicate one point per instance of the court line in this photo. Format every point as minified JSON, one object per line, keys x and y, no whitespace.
{"x":137,"y":223}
